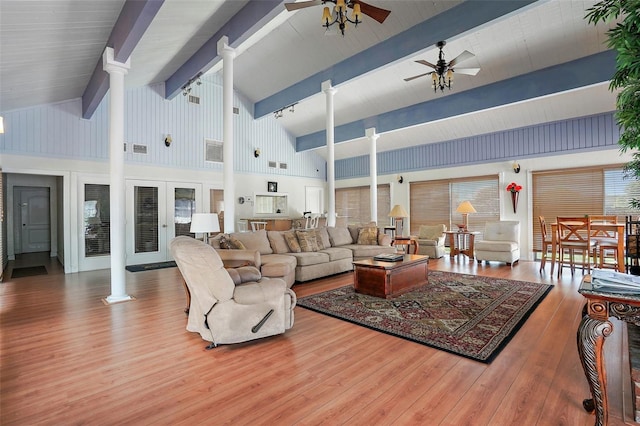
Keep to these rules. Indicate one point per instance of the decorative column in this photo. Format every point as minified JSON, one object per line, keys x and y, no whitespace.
{"x":228,"y":54}
{"x":373,"y":171}
{"x":331,"y":175}
{"x":117,"y":71}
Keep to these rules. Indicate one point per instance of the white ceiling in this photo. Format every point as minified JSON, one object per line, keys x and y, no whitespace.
{"x":49,"y":49}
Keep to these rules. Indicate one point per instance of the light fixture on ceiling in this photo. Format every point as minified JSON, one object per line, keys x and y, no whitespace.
{"x":280,"y":113}
{"x":339,"y":13}
{"x":442,"y":76}
{"x":186,"y":89}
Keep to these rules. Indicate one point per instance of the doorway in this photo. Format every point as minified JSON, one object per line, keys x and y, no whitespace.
{"x":32,"y":224}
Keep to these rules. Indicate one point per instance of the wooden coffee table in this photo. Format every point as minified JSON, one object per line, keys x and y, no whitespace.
{"x":390,"y":279}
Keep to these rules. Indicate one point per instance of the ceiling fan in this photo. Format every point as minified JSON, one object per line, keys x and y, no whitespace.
{"x":442,"y":75}
{"x":340,"y":15}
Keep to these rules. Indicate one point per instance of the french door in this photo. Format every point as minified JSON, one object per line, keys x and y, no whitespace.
{"x":156,"y":213}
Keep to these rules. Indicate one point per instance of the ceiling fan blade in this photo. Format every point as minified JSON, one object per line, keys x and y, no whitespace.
{"x":373,"y":12}
{"x":461,"y":57}
{"x":301,"y":5}
{"x":417,"y":76}
{"x":423,"y":62}
{"x":466,"y":71}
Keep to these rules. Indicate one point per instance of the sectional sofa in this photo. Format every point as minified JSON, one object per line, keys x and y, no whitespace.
{"x":303,"y":255}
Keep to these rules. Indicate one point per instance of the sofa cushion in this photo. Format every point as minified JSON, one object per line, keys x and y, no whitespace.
{"x":311,"y":258}
{"x":323,"y":236}
{"x":361,"y":250}
{"x":428,"y":243}
{"x":384,"y":239}
{"x":496,"y":245}
{"x":278,"y":265}
{"x":278,"y":243}
{"x":256,"y":240}
{"x":368,"y":235}
{"x":431,"y":232}
{"x":339,"y":236}
{"x":244,"y":274}
{"x":338,"y":253}
{"x":307,"y":240}
{"x":292,"y":241}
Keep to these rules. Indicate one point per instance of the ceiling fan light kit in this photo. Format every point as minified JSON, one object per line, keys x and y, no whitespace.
{"x":442,"y":74}
{"x":339,"y":13}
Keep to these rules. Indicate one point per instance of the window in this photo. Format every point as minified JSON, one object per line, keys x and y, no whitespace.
{"x":435,"y":202}
{"x":96,"y":220}
{"x":582,"y":191}
{"x":355,"y":204}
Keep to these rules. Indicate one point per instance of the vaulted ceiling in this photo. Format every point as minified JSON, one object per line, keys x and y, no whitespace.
{"x":540,"y":62}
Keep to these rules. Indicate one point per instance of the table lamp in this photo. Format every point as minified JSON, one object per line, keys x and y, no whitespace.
{"x":204,"y":223}
{"x":398,"y":213}
{"x":465,"y":208}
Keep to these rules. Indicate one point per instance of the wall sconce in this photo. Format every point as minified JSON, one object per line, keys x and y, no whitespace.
{"x":256,"y":152}
{"x":516,"y":167}
{"x":168,"y":140}
{"x":400,"y":179}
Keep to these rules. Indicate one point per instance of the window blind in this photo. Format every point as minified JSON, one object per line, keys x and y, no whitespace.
{"x":96,"y":220}
{"x":355,"y":204}
{"x":435,"y":202}
{"x":581,"y":191}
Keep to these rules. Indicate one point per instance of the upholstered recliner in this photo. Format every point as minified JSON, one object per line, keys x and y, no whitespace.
{"x":224,"y":311}
{"x":500,"y":242}
{"x":431,"y":240}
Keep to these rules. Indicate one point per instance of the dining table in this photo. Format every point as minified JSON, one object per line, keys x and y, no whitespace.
{"x":618,"y":228}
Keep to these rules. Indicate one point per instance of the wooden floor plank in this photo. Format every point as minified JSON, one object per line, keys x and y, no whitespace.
{"x":67,"y":358}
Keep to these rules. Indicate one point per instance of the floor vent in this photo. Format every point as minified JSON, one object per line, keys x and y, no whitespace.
{"x":139,"y":149}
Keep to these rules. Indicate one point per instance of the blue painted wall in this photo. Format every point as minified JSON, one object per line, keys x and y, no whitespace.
{"x":592,"y":133}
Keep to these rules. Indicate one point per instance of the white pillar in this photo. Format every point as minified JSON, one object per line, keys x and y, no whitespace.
{"x":331,"y":175}
{"x":228,"y":54}
{"x":117,"y":71}
{"x":373,"y":172}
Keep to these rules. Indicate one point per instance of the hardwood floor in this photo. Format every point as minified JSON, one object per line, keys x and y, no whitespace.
{"x":67,"y":358}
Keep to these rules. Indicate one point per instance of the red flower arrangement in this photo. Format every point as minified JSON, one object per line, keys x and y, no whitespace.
{"x":514,"y":187}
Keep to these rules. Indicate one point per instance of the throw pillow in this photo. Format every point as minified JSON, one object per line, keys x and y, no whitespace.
{"x":225,"y":243}
{"x":323,"y":236}
{"x":319,"y":241}
{"x":277,"y":241}
{"x":368,"y":236}
{"x":236,"y":244}
{"x":307,"y":240}
{"x":292,"y":241}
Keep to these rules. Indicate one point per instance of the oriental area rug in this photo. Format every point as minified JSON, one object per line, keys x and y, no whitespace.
{"x":468,"y":315}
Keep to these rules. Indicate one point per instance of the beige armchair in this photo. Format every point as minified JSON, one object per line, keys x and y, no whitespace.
{"x":222,"y":311}
{"x":500,"y":242}
{"x":431,"y":240}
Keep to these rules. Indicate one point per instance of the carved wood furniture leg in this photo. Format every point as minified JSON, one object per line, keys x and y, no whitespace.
{"x":591,"y":337}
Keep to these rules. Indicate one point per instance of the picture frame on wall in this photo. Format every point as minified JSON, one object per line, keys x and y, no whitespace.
{"x":272,"y":186}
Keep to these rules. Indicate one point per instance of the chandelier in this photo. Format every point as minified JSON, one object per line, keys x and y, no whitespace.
{"x":340,"y":16}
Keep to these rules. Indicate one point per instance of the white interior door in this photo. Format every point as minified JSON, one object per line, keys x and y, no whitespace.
{"x":156,"y":213}
{"x":35,"y":224}
{"x":314,"y":199}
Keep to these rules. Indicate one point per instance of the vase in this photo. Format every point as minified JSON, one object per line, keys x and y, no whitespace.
{"x":514,"y":200}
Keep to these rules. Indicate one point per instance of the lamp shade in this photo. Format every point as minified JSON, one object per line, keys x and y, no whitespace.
{"x":398,"y":211}
{"x":204,"y":223}
{"x":465,"y":207}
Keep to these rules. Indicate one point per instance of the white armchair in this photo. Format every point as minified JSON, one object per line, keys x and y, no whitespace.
{"x":500,"y":242}
{"x":431,"y":240}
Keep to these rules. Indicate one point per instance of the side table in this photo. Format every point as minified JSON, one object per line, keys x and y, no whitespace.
{"x":461,"y":242}
{"x":407,"y":241}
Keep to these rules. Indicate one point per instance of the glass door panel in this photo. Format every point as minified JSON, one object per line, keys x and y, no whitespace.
{"x":96,"y":220}
{"x":146,"y":219}
{"x":184,"y":206}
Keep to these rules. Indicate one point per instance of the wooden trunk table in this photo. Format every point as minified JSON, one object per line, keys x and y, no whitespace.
{"x":390,"y":279}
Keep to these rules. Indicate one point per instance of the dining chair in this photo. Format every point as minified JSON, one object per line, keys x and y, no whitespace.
{"x":547,"y":245}
{"x":607,"y":240}
{"x":574,"y":236}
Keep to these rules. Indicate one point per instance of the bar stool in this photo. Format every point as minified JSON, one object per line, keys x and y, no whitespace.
{"x":258,"y":225}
